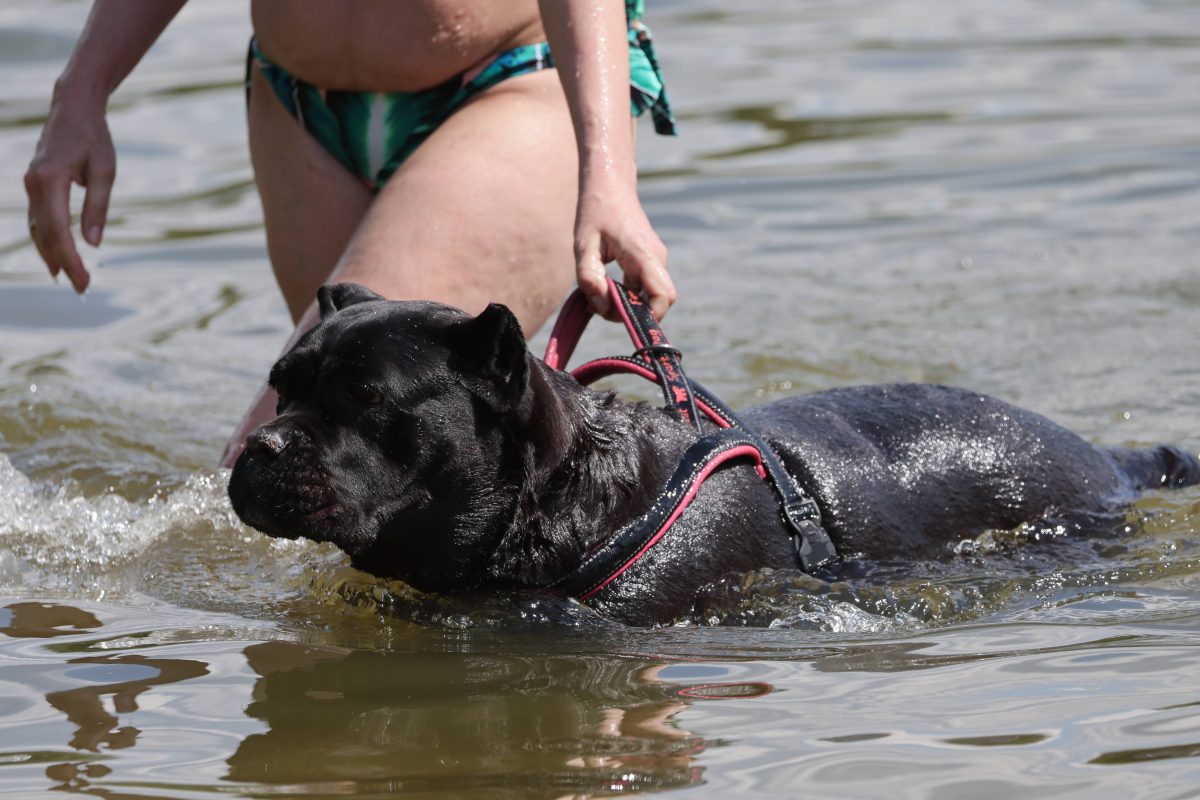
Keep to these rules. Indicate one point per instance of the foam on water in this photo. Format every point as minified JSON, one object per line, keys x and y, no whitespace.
{"x":173,"y":544}
{"x":60,"y":528}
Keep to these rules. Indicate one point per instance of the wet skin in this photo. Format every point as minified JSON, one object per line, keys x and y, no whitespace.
{"x":380,"y":45}
{"x":432,"y":447}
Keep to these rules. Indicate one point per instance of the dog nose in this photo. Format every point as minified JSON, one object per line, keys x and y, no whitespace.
{"x":266,"y":442}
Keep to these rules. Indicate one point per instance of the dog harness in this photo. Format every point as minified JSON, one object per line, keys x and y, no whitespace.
{"x":656,"y":359}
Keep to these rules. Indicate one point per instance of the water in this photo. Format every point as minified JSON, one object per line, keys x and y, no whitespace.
{"x":998,"y":196}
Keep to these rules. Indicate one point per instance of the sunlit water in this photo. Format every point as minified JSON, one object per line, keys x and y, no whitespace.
{"x":998,"y":196}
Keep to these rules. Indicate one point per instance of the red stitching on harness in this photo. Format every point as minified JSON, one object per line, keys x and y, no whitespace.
{"x":736,"y":452}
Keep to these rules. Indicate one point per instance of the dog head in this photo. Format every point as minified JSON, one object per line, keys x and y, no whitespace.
{"x":390,"y":437}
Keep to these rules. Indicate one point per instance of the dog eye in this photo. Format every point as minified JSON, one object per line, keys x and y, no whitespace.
{"x":364,"y":393}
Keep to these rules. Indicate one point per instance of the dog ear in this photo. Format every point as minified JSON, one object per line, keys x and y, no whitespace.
{"x":491,"y":351}
{"x":331,"y":298}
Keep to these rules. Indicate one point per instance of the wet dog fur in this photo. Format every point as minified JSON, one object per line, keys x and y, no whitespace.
{"x":432,"y":447}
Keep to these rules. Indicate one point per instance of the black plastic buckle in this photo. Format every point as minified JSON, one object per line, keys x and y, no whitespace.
{"x":814,"y":549}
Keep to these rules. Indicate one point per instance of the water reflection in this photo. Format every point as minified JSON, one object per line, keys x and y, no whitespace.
{"x":516,"y":722}
{"x":84,"y":706}
{"x":513,"y":713}
{"x":785,"y":132}
{"x":96,"y":727}
{"x":1148,"y":754}
{"x":44,"y":620}
{"x":533,"y":726}
{"x":108,"y":681}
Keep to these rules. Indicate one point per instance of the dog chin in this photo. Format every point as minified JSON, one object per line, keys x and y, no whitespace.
{"x":350,"y":533}
{"x":334,"y":524}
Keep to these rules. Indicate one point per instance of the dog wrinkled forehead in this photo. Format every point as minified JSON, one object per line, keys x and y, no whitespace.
{"x":400,"y":328}
{"x":380,"y":335}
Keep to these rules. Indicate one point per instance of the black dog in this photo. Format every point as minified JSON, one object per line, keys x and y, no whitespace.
{"x":432,"y":447}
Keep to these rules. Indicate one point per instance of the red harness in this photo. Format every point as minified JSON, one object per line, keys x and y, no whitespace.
{"x":655,"y":359}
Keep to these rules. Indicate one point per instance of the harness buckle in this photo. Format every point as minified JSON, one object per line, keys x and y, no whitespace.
{"x":814,"y":549}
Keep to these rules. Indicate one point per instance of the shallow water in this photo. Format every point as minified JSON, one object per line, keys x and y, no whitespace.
{"x":997,"y":196}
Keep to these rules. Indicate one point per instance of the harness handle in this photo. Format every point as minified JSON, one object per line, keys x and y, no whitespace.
{"x":651,"y":343}
{"x":568,"y":329}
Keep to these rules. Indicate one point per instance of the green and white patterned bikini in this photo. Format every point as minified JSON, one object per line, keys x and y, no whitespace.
{"x":372,"y":133}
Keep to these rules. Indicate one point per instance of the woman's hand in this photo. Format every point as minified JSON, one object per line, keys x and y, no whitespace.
{"x":610,"y":225}
{"x":75,"y":148}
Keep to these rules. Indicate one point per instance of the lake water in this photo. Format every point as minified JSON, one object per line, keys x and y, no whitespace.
{"x":1002,"y":196}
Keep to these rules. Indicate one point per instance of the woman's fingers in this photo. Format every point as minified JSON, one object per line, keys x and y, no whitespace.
{"x":590,"y":273}
{"x":98,"y":178}
{"x":49,"y":189}
{"x":646,"y":270}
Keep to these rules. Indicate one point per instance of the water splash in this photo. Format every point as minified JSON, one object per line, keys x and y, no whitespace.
{"x":185,"y":540}
{"x":58,"y":526}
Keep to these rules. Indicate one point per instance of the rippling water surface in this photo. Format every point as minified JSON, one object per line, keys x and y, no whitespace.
{"x":1002,"y":196}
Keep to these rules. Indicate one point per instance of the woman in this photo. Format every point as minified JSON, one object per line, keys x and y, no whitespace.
{"x":425,"y":149}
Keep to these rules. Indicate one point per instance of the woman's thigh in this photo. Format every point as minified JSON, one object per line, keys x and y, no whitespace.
{"x":311,"y":204}
{"x":483,"y":211}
